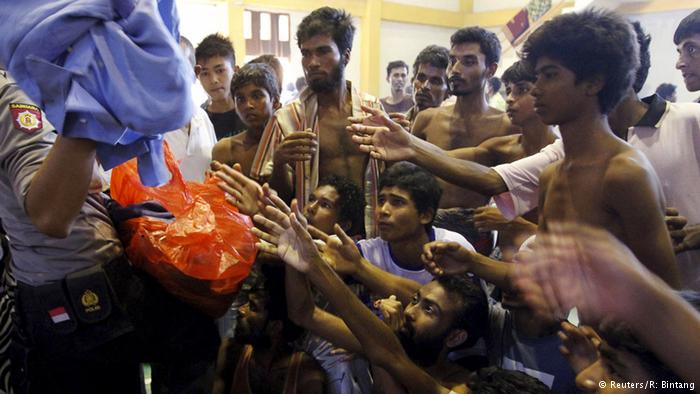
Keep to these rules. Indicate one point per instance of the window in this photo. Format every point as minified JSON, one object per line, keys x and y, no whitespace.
{"x":269,"y":34}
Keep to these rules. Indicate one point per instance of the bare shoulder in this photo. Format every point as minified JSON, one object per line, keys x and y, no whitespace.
{"x":425,"y":117}
{"x":222,"y":150}
{"x":627,"y":168}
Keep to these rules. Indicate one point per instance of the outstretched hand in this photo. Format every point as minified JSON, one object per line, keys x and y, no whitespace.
{"x":340,"y":252}
{"x":446,"y":258}
{"x":284,"y":233}
{"x":242,"y":192}
{"x":579,"y":345}
{"x":381,"y":137}
{"x":577,"y":265}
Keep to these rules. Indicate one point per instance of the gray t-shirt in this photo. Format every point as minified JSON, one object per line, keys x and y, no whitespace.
{"x":26,"y":138}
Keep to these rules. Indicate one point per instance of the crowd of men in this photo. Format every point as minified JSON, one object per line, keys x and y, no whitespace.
{"x":406,"y":245}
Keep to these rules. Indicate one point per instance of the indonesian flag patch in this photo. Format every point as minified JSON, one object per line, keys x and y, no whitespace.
{"x":26,"y":117}
{"x":59,"y":315}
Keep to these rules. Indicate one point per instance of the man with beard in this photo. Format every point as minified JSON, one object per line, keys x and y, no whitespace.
{"x":259,"y":359}
{"x":474,"y":57}
{"x":310,"y":131}
{"x":411,"y":345}
{"x":396,"y":75}
{"x":519,"y":339}
{"x":429,"y":79}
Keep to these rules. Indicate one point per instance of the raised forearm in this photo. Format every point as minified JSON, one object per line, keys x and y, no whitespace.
{"x":490,"y":270}
{"x":384,"y":284}
{"x":64,"y":176}
{"x":379,"y":343}
{"x":300,"y":304}
{"x":281,"y":181}
{"x":463,"y":173}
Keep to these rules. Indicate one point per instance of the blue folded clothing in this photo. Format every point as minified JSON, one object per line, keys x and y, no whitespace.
{"x":109,"y":71}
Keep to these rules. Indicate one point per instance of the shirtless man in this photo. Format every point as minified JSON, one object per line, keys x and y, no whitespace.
{"x":521,"y":178}
{"x":309,"y":132}
{"x":474,"y":57}
{"x":429,"y":79}
{"x":254,"y":90}
{"x":602,"y":180}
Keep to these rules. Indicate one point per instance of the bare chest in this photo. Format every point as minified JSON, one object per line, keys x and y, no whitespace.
{"x":579,"y":196}
{"x":337,"y":153}
{"x":452,"y":132}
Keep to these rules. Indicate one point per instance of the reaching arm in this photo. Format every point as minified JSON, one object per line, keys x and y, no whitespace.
{"x":342,"y":254}
{"x":379,"y":344}
{"x":390,"y":142}
{"x":65,"y":176}
{"x":452,"y":258}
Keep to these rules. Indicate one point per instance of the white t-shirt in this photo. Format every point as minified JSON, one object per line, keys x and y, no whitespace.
{"x":377,"y":252}
{"x":668,"y":134}
{"x":193,"y":150}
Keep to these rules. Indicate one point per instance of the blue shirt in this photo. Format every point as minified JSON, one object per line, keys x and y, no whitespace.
{"x":109,"y":71}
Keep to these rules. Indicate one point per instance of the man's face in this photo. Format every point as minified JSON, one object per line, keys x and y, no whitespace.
{"x":323,"y":209}
{"x":689,"y":61}
{"x":323,"y":63}
{"x":429,"y":86}
{"x":428,"y":321}
{"x":520,"y":105}
{"x":558,"y":98}
{"x":215,"y":75}
{"x":398,"y":217}
{"x":252,"y":319}
{"x":397,"y":78}
{"x":254,"y":105}
{"x":467,"y":69}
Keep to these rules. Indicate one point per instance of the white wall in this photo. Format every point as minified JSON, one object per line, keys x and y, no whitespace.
{"x":661,"y":27}
{"x":403,"y":41}
{"x":449,"y":5}
{"x":495,"y":5}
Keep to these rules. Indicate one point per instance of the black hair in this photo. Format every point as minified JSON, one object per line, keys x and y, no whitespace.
{"x":433,"y":55}
{"x":666,"y":90}
{"x":190,"y":49}
{"x":395,"y":64}
{"x":274,"y":63}
{"x":488,"y":41}
{"x":351,"y":200}
{"x":259,"y":74}
{"x":333,"y":22}
{"x":495,"y":84}
{"x":419,"y":183}
{"x":475,"y":309}
{"x":643,"y":39}
{"x":494,"y":380}
{"x":518,"y":72}
{"x":215,"y":45}
{"x":590,"y":43}
{"x":689,"y":25}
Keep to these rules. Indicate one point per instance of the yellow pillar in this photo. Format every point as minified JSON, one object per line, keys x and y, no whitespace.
{"x":370,"y":47}
{"x":235,"y":29}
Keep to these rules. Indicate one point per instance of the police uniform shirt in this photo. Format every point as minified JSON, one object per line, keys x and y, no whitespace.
{"x":26,"y":138}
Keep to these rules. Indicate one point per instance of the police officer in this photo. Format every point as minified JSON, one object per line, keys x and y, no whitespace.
{"x":85,"y":319}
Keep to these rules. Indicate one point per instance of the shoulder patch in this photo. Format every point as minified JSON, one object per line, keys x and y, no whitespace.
{"x":26,"y":117}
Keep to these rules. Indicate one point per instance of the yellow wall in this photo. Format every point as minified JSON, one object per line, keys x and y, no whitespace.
{"x":373,"y":12}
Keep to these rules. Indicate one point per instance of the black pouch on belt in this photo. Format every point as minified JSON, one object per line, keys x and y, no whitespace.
{"x":75,"y":314}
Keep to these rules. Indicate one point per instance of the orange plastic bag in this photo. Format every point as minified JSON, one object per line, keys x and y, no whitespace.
{"x":203,"y":256}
